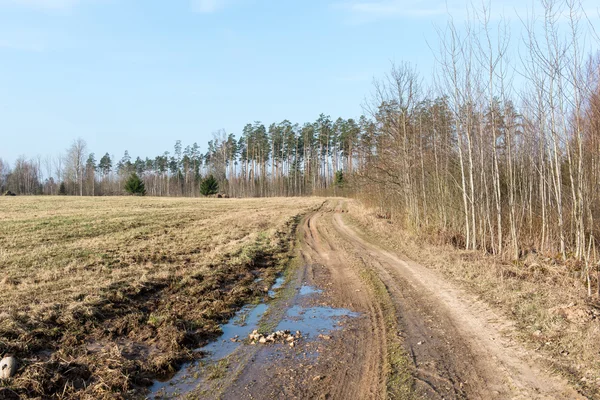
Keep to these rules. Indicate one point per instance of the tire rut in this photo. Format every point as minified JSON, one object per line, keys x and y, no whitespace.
{"x":460,"y":347}
{"x":351,"y":364}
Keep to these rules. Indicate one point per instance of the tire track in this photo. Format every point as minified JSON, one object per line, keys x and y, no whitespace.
{"x":459,"y":346}
{"x":349,"y":366}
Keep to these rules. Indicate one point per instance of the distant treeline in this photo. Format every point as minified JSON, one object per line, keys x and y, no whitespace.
{"x":283,"y":159}
{"x":473,"y":158}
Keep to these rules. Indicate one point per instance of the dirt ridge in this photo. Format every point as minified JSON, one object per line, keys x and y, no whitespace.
{"x":490,"y":363}
{"x":453,"y":346}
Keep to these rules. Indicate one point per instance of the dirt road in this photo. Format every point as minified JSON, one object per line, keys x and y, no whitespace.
{"x":412,"y":334}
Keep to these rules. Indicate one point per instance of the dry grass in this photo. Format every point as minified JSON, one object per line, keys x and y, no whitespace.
{"x":547,"y":302}
{"x":100,"y":295}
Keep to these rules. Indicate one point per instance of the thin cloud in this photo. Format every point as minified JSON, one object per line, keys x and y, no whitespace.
{"x":394,"y":8}
{"x":353,"y":77}
{"x":379,"y":9}
{"x":42,"y":4}
{"x":372,"y":10}
{"x":207,"y":6}
{"x":21,"y":45}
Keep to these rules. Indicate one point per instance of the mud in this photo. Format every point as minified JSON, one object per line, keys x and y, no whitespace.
{"x":375,"y":325}
{"x":306,"y":290}
{"x":198,"y":379}
{"x":276,"y":286}
{"x":186,"y":379}
{"x":313,"y":321}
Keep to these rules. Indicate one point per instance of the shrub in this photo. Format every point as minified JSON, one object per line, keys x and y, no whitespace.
{"x":135,"y":185}
{"x":339,"y":179}
{"x":209,"y":186}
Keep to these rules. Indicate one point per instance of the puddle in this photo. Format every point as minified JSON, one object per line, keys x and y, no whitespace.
{"x":305,"y":290}
{"x":187,"y":378}
{"x":182,"y":382}
{"x":311,"y":321}
{"x":244,"y":322}
{"x":276,"y":286}
{"x":241,"y":325}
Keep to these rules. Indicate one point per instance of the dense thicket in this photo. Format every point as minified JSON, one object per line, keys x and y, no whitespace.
{"x":489,"y":163}
{"x":495,"y":153}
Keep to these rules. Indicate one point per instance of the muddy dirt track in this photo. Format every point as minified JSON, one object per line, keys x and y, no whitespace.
{"x":414,"y":335}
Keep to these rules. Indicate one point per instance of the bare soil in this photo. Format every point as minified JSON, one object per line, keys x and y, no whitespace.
{"x":417,"y":335}
{"x":375,"y":324}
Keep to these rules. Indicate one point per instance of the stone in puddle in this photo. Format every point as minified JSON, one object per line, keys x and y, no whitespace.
{"x":274,"y":337}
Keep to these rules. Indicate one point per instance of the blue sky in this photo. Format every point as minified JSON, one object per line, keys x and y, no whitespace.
{"x":140,"y":74}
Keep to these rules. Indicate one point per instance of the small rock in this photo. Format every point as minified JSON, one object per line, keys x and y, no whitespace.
{"x":8,"y":367}
{"x":292,"y":344}
{"x":281,"y":336}
{"x":420,"y":343}
{"x":325,"y":337}
{"x":317,"y":378}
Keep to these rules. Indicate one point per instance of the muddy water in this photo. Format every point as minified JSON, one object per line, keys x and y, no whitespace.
{"x":245,"y":321}
{"x":276,"y":286}
{"x":186,"y":379}
{"x":305,"y":290}
{"x":310,"y":321}
{"x":313,"y":321}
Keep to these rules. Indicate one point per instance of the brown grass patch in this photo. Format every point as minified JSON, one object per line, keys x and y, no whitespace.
{"x":101,"y":295}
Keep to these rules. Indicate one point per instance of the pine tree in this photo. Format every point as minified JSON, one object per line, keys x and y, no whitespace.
{"x":209,"y":186}
{"x":135,"y":185}
{"x":339,"y":178}
{"x":105,"y":165}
